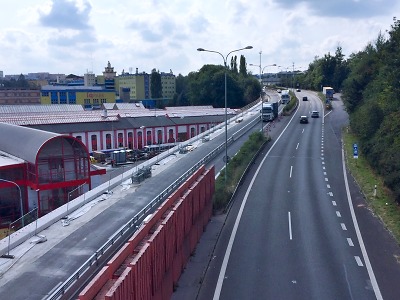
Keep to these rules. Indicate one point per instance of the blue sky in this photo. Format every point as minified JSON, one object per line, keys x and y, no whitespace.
{"x":75,"y":36}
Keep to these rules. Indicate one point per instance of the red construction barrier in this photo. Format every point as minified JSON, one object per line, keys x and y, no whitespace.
{"x":149,"y":265}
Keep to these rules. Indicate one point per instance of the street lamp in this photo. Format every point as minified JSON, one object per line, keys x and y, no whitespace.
{"x":261,"y":99}
{"x":20,"y":199}
{"x":225,"y":58}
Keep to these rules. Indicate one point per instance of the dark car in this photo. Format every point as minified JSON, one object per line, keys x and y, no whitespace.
{"x":305,"y":98}
{"x":314,"y":114}
{"x":303,"y":119}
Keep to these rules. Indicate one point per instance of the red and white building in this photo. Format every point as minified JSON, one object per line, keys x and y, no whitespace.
{"x":45,"y":149}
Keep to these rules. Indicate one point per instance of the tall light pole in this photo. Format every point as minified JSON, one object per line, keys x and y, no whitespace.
{"x":225,"y":58}
{"x":261,"y":99}
{"x":20,"y":198}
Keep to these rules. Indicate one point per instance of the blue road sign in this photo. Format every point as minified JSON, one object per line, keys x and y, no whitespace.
{"x":355,"y":151}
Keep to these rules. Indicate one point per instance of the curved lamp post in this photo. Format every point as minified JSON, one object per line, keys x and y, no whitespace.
{"x":225,"y":58}
{"x":261,"y":100}
{"x":20,"y":198}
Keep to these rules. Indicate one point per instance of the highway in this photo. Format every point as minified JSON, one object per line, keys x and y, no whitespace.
{"x":292,"y":232}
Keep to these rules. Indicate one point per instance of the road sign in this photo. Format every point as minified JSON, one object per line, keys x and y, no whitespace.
{"x":355,"y":151}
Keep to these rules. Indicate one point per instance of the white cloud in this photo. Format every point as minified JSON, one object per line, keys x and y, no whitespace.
{"x":73,"y":36}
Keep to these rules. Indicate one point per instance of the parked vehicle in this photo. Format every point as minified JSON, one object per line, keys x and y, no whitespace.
{"x":99,"y":156}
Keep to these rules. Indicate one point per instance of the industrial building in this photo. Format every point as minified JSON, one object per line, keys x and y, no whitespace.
{"x":39,"y":170}
{"x":45,"y":149}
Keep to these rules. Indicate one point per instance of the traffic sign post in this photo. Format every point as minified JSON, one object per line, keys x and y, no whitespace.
{"x":355,"y":151}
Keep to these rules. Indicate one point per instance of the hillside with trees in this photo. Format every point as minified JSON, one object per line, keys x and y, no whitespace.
{"x":370,"y":85}
{"x":371,"y":93}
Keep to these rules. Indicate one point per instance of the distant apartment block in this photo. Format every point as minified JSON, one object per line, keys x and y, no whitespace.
{"x":168,"y":83}
{"x":89,"y":97}
{"x":19,"y":96}
{"x":138,"y":85}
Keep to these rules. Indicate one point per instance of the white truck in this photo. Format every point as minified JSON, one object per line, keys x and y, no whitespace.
{"x":269,"y":111}
{"x":285,"y":97}
{"x":328,"y":93}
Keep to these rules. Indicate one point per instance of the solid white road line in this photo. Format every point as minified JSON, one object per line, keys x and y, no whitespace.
{"x":371,"y":274}
{"x":224,"y":265}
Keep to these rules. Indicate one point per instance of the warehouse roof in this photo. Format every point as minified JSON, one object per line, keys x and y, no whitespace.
{"x":23,"y":142}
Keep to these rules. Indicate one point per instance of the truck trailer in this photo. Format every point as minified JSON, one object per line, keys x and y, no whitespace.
{"x":285,"y":97}
{"x":269,"y":111}
{"x":328,"y":93}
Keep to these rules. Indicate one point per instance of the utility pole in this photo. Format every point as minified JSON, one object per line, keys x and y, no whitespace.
{"x":293,"y":77}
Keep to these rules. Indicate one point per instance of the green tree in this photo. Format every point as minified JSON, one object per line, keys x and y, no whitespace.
{"x":243,"y":66}
{"x":155,"y":85}
{"x":234,"y":67}
{"x":252,"y":89}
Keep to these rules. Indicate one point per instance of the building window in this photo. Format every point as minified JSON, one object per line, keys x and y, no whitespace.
{"x":159,"y":136}
{"x":120,"y":139}
{"x":192,"y":132}
{"x":148,"y":138}
{"x":140,"y":140}
{"x":94,"y":142}
{"x":171,"y":138}
{"x":130,"y":140}
{"x":108,"y":141}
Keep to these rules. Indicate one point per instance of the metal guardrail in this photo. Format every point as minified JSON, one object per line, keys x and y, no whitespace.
{"x":132,"y":225}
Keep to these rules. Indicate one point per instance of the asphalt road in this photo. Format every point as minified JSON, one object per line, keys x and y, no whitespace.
{"x":291,"y":233}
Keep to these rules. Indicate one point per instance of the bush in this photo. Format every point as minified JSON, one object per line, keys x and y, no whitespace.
{"x":236,"y":168}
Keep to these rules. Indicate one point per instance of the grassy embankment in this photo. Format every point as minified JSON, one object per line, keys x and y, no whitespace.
{"x":382,"y":204}
{"x":236,"y":168}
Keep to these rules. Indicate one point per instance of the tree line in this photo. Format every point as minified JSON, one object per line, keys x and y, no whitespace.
{"x":20,"y":83}
{"x":371,"y":95}
{"x":370,"y":84}
{"x":207,"y":86}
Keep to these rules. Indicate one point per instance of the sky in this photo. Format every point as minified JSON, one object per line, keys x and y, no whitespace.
{"x":77,"y":36}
